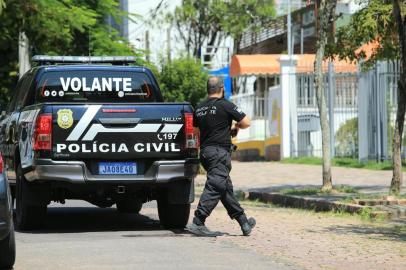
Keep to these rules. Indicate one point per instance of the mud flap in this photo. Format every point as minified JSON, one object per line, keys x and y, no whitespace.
{"x":181,"y":192}
{"x":38,"y":194}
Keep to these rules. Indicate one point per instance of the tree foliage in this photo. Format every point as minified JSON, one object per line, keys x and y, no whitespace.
{"x":66,"y":27}
{"x":346,"y":139}
{"x":183,"y":80}
{"x":374,"y":22}
{"x":2,"y":4}
{"x":209,"y":22}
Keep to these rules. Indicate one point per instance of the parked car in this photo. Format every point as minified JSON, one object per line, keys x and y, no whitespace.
{"x":97,"y":129}
{"x":7,"y":242}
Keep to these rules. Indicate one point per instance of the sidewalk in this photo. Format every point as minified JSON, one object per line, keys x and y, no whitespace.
{"x":269,"y":181}
{"x":312,"y":240}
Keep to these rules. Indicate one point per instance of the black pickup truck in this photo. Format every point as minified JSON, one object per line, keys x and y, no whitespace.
{"x":97,"y":129}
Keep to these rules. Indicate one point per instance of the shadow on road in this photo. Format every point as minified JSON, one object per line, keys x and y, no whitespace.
{"x":359,"y":188}
{"x":94,"y":219}
{"x":392,"y":233}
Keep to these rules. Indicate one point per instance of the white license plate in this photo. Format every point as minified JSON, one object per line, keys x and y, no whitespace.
{"x":117,"y":168}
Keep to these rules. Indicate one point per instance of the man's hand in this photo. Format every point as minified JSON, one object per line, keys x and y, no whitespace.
{"x":234,"y":130}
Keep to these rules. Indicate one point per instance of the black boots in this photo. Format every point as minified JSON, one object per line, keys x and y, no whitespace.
{"x":198,"y":228}
{"x":246,"y":224}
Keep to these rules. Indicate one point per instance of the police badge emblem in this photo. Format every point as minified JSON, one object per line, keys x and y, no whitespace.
{"x":65,"y":118}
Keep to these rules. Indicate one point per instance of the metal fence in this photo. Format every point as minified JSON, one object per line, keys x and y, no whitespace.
{"x":361,"y":109}
{"x":255,"y":108}
{"x":378,"y":106}
{"x":341,"y":92}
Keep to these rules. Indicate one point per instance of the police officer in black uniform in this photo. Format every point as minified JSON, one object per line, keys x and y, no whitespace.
{"x":213,"y":118}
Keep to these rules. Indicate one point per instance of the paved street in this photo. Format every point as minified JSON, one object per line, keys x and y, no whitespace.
{"x":80,"y":236}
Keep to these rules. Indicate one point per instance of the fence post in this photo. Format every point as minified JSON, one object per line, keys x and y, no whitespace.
{"x":364,"y":99}
{"x":382,"y":92}
{"x":382,"y":131}
{"x":331,"y":96}
{"x":289,"y":105}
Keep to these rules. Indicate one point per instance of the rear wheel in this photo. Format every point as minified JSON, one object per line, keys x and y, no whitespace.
{"x":130,"y":207}
{"x":8,"y":251}
{"x":30,"y":213}
{"x":173,"y":216}
{"x":13,"y":195}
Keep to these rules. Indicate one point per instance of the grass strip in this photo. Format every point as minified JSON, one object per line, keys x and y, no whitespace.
{"x":343,"y":162}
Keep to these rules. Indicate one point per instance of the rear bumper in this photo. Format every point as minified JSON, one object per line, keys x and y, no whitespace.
{"x":77,"y":172}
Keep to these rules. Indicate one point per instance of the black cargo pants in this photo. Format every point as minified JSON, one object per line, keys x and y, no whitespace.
{"x":217,"y":162}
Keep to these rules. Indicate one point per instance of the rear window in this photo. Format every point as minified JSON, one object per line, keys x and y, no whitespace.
{"x":95,"y":86}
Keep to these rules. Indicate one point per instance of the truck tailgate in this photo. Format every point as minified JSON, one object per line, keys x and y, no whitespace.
{"x":118,"y":132}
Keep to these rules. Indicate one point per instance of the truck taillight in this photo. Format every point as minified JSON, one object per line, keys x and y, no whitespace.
{"x":192,"y":138}
{"x":43,"y":132}
{"x":1,"y":164}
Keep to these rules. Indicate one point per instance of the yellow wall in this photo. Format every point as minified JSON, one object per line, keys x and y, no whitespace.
{"x":252,"y":145}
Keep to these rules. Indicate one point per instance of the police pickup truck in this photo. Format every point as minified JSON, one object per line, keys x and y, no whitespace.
{"x":97,"y":129}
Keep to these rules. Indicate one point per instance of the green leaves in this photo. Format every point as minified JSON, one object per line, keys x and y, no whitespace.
{"x":183,"y":80}
{"x":58,"y":27}
{"x":51,"y":26}
{"x":374,"y":22}
{"x":208,"y":22}
{"x":2,"y":5}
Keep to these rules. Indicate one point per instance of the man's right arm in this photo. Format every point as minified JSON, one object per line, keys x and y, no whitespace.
{"x":243,"y":121}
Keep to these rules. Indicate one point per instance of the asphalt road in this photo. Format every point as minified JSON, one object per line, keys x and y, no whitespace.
{"x":80,"y":236}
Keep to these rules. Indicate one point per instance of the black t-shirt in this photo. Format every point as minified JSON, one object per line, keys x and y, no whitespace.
{"x":213,"y":117}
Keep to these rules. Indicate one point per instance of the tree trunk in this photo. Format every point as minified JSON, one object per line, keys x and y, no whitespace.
{"x":399,"y":13}
{"x":324,"y":18}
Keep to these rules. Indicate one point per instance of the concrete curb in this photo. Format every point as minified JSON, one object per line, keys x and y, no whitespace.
{"x":309,"y":203}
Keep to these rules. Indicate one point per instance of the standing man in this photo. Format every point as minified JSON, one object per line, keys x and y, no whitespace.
{"x":214,"y":117}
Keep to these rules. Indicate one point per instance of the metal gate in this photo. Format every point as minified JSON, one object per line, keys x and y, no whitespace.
{"x":341,"y":92}
{"x":378,"y":105}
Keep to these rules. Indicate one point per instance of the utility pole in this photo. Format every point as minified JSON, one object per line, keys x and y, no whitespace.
{"x":289,"y":25}
{"x":147,"y":49}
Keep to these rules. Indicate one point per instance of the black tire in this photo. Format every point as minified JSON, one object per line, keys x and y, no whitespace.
{"x":129,"y":207}
{"x":29,"y":213}
{"x":13,"y":195}
{"x":8,"y":251}
{"x":173,"y":216}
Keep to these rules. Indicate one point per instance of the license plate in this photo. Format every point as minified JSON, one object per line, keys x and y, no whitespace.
{"x":117,"y":168}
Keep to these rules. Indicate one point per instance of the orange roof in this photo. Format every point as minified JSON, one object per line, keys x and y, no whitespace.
{"x":268,"y":64}
{"x":368,"y":49}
